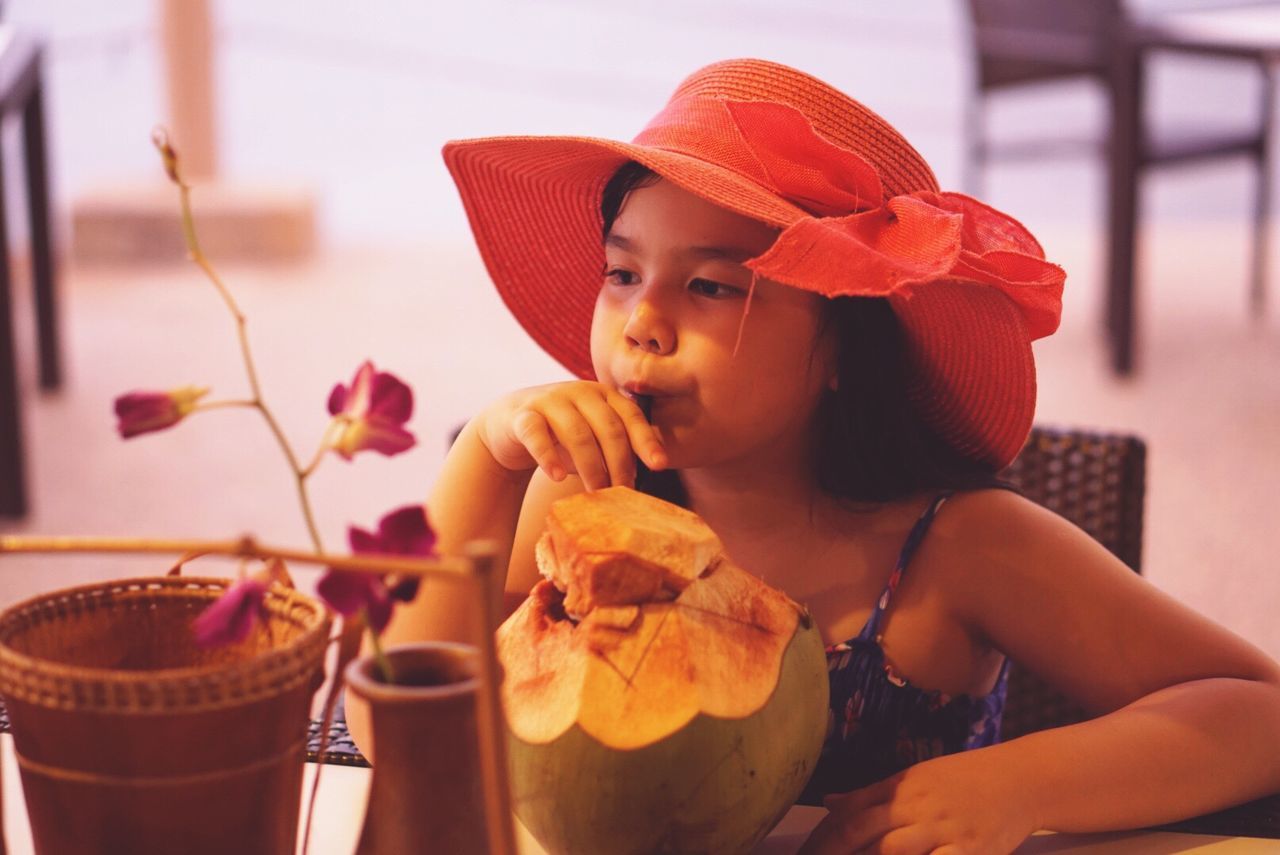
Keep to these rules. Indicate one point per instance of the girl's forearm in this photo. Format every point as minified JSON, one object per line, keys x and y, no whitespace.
{"x":1179,"y":752}
{"x":473,"y":498}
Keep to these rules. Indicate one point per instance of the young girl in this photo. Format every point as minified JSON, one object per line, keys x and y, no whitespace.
{"x":838,"y":361}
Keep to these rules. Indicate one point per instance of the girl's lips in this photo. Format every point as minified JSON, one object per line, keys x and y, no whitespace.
{"x":631,"y":390}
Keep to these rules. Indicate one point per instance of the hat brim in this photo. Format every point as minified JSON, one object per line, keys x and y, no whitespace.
{"x":534,"y":207}
{"x":972,"y":367}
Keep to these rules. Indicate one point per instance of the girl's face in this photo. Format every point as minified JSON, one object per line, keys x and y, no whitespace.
{"x":667,"y":319}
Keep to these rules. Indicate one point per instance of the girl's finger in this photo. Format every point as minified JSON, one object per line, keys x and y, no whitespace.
{"x":908,"y":840}
{"x":863,"y":797}
{"x":867,"y":826}
{"x":643,"y":436}
{"x":531,"y":430}
{"x":613,"y":438}
{"x":577,"y":438}
{"x":841,"y":832}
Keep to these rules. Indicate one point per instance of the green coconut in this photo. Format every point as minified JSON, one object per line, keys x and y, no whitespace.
{"x":659,"y":697}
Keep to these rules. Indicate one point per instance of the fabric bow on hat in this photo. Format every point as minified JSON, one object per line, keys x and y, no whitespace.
{"x":853,"y":244}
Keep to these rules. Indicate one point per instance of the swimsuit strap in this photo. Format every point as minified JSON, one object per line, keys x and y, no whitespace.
{"x":914,"y":538}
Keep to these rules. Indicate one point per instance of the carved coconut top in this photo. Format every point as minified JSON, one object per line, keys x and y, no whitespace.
{"x":641,"y":625}
{"x":617,"y":546}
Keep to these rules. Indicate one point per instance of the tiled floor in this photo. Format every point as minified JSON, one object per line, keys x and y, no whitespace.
{"x":1207,"y":399}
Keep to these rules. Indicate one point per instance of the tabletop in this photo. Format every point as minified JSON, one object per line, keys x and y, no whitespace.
{"x":344,"y":791}
{"x":1252,"y":29}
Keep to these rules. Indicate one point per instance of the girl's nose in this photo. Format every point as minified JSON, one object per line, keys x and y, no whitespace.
{"x":647,"y":328}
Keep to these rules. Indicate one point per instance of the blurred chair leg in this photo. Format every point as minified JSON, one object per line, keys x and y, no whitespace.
{"x":13,"y":494}
{"x":41,"y":243}
{"x":1262,"y":201}
{"x":1122,"y":222}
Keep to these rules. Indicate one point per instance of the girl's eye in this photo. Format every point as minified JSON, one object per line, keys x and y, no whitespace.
{"x":718,"y":290}
{"x":618,"y":276}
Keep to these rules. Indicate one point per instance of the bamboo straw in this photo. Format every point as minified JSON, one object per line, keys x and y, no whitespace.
{"x":492,"y":727}
{"x":475,"y":566}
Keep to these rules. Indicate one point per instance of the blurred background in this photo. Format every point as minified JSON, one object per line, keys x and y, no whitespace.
{"x":333,"y":221}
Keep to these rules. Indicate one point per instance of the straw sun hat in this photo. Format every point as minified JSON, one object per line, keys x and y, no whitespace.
{"x":859,"y":214}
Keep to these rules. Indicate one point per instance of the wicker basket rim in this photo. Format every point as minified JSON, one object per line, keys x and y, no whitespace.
{"x":279,"y":599}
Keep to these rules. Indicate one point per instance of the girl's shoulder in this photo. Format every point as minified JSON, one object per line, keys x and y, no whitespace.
{"x":996,"y":519}
{"x":984,"y":541}
{"x":961,"y":524}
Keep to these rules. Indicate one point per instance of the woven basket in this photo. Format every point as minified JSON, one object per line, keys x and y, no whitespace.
{"x":132,"y":738}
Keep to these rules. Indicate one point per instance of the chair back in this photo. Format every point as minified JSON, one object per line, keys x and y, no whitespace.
{"x":1025,"y":41}
{"x":1098,"y":482}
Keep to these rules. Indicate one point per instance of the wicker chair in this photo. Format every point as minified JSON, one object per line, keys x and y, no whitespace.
{"x":1098,"y":482}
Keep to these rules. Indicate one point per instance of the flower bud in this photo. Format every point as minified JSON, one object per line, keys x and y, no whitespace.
{"x":144,"y":412}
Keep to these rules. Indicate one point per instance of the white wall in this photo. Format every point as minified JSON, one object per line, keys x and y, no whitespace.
{"x":355,"y":101}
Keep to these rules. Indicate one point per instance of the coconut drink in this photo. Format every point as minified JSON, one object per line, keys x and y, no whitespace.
{"x":659,"y":697}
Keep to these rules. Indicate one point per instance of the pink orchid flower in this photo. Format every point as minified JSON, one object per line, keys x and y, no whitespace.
{"x":233,"y":615}
{"x":372,"y":412}
{"x":404,"y":531}
{"x":144,"y":412}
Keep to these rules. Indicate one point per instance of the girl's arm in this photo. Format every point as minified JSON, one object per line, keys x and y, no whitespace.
{"x":1181,"y":751}
{"x":473,"y":498}
{"x":494,"y":486}
{"x":1189,"y":713}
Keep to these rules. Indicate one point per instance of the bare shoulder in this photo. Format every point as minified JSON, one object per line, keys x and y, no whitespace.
{"x":1001,"y":546}
{"x":999,"y":531}
{"x":978,"y":531}
{"x":973,"y":517}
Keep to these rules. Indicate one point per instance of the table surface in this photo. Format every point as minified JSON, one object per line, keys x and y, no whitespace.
{"x":344,"y":791}
{"x":1253,"y":27}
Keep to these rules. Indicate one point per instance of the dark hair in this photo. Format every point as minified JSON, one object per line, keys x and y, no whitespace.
{"x":873,"y":446}
{"x":630,"y":176}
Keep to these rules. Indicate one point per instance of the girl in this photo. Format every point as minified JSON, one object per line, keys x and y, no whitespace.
{"x":838,"y":361}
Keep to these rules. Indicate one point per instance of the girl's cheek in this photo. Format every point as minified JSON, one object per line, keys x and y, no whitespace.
{"x":602,"y":334}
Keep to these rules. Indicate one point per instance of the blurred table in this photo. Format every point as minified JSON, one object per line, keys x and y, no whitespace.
{"x":344,"y":791}
{"x":1252,"y":29}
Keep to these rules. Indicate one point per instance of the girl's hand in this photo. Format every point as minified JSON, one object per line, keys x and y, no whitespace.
{"x":959,"y":804}
{"x":577,"y":427}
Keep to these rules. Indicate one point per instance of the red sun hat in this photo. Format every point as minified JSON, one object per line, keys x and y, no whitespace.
{"x":859,"y":213}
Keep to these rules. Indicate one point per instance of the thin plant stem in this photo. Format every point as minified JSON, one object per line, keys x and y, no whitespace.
{"x":218,"y":405}
{"x":334,"y":426}
{"x":197,"y":255}
{"x":379,"y":655}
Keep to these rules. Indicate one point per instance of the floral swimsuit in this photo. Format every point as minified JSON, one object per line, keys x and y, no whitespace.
{"x":879,"y":724}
